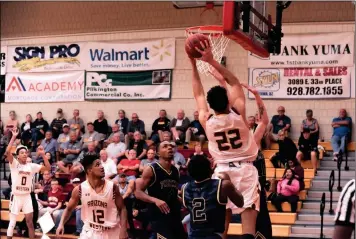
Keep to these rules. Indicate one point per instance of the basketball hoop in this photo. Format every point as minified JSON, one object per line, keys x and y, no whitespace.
{"x":218,"y":43}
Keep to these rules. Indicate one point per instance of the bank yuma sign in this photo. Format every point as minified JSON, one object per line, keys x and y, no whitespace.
{"x":44,"y":87}
{"x":310,"y":50}
{"x":147,"y":55}
{"x":45,"y":58}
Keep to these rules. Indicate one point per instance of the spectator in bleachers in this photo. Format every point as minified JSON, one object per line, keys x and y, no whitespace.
{"x":115,"y":129}
{"x":116,"y":150}
{"x":286,"y":150}
{"x":308,"y":149}
{"x":76,"y":213}
{"x":311,"y":124}
{"x":179,"y":159}
{"x":195,"y":131}
{"x":197,"y":151}
{"x":70,"y":151}
{"x":252,"y":123}
{"x":108,"y":164}
{"x":101,"y":125}
{"x":11,"y":123}
{"x":179,"y":126}
{"x":44,"y":186}
{"x":135,"y":125}
{"x":57,"y":123}
{"x":26,"y":128}
{"x":139,"y":145}
{"x":76,"y":123}
{"x":140,"y":213}
{"x":91,"y":136}
{"x":287,"y":191}
{"x":77,"y":169}
{"x":50,"y":144}
{"x":54,"y":202}
{"x":126,"y":191}
{"x":341,"y":132}
{"x":160,"y":125}
{"x":299,"y":172}
{"x":278,"y":122}
{"x":64,"y":136}
{"x":151,"y":153}
{"x":129,"y":166}
{"x":122,"y":122}
{"x":38,"y":132}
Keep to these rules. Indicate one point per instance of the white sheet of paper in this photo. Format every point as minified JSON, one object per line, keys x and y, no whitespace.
{"x":45,"y":237}
{"x":46,"y":223}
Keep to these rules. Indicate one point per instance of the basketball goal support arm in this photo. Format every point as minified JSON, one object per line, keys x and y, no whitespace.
{"x":199,"y":95}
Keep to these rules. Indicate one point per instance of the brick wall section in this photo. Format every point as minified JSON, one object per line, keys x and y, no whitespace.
{"x":324,"y":110}
{"x":29,"y":19}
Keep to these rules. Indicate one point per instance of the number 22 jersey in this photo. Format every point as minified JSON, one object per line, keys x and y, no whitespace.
{"x":99,"y":211}
{"x":229,"y":139}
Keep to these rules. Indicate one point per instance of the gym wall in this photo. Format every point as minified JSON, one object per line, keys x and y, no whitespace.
{"x":26,"y":23}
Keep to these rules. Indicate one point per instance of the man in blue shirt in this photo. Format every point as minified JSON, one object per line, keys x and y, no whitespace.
{"x":342,"y":130}
{"x":278,"y":122}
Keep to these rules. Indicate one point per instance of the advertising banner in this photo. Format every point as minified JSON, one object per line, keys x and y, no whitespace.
{"x":3,"y":59}
{"x":129,"y":85}
{"x":44,"y":87}
{"x":140,"y":56}
{"x":302,"y":83}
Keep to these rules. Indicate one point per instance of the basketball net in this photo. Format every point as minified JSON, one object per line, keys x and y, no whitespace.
{"x":218,"y":44}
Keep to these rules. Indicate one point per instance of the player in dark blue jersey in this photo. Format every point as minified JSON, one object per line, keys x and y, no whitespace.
{"x":206,"y":199}
{"x":161,"y":182}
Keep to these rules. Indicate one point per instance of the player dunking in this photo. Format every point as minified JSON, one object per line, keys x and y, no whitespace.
{"x":231,"y":143}
{"x":161,"y":181}
{"x":206,"y":199}
{"x":22,"y":174}
{"x":103,"y":210}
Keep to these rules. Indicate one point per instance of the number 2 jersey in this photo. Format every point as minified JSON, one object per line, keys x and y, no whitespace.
{"x":22,"y":176}
{"x":229,"y":139}
{"x":99,"y":211}
{"x":207,"y":212}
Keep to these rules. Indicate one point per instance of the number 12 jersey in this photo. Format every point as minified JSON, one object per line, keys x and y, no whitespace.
{"x":229,"y":139}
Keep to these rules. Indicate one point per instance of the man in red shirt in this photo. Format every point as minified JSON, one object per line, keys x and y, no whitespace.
{"x":129,"y":166}
{"x":54,"y":201}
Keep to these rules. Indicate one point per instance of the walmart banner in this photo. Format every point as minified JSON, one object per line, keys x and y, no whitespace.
{"x":129,"y":85}
{"x":140,"y":56}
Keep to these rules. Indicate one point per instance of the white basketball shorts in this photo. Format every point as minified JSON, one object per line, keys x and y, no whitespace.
{"x":244,"y":177}
{"x":88,"y":233}
{"x":20,"y":203}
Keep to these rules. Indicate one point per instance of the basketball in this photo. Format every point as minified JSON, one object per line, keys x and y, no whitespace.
{"x":194,"y":41}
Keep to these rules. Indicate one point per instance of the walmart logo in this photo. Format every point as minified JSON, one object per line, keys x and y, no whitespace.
{"x":162,"y":50}
{"x":16,"y":83}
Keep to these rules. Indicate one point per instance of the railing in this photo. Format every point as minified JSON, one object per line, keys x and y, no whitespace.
{"x":339,"y":162}
{"x":346,"y":157}
{"x":331,"y":186}
{"x":322,"y":208}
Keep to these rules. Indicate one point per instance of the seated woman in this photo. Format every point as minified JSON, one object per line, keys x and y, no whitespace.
{"x":26,"y":133}
{"x":299,"y":172}
{"x":287,"y":191}
{"x":311,"y":124}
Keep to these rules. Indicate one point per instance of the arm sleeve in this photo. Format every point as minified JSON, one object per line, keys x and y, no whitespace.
{"x":279,"y":186}
{"x":294,"y":187}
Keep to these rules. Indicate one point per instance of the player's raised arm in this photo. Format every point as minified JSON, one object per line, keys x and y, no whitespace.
{"x":9,"y":157}
{"x":199,"y":95}
{"x":42,"y":153}
{"x":236,"y":93}
{"x":142,"y":184}
{"x":262,"y":113}
{"x":73,"y":202}
{"x":123,"y":213}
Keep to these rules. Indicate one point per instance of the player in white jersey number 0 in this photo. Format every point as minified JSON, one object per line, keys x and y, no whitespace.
{"x":231,"y":143}
{"x":22,"y":174}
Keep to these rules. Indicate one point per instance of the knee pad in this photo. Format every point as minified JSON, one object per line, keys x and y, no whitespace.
{"x":248,"y":236}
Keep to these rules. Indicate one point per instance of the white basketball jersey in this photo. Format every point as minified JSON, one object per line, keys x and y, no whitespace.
{"x":99,"y":211}
{"x":22,"y":176}
{"x":229,"y":139}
